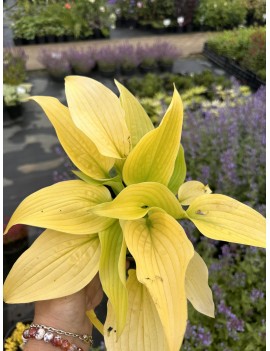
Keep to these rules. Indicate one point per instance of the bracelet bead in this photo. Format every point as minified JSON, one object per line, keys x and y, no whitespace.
{"x":49,"y":337}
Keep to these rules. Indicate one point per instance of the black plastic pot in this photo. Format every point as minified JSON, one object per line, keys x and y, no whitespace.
{"x":128,"y":71}
{"x":50,"y":38}
{"x":40,"y":40}
{"x":18,"y":41}
{"x":14,"y":111}
{"x":148,"y":69}
{"x":60,"y":38}
{"x":165,"y":67}
{"x":108,"y":74}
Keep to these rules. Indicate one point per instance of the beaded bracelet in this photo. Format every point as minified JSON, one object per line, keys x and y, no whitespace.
{"x":40,"y":332}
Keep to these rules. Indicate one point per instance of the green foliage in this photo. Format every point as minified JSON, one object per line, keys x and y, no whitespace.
{"x":58,"y":18}
{"x":150,"y":84}
{"x":220,"y":14}
{"x":15,"y":94}
{"x":257,"y":10}
{"x":14,"y":66}
{"x":247,"y":46}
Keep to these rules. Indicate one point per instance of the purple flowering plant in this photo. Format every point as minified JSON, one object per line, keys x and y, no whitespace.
{"x":234,"y":136}
{"x":128,"y":57}
{"x":81,"y":61}
{"x":56,"y":63}
{"x":107,"y":58}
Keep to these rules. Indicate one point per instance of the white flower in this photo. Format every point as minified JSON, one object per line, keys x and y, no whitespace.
{"x":180,"y":20}
{"x":112,"y":26}
{"x":20,"y":90}
{"x":92,"y":1}
{"x":102,"y":9}
{"x":118,"y":11}
{"x":56,"y":55}
{"x":166,"y":22}
{"x":139,"y":4}
{"x":113,"y":16}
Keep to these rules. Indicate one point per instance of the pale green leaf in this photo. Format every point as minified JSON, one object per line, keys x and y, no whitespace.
{"x":56,"y":265}
{"x":143,"y":330}
{"x":115,"y":183}
{"x":179,"y":173}
{"x":136,"y":118}
{"x":112,"y":271}
{"x":153,"y":158}
{"x":80,"y":149}
{"x":97,"y":111}
{"x":220,"y":217}
{"x":197,"y":288}
{"x":64,"y":206}
{"x":136,"y":200}
{"x":162,"y":253}
{"x":190,"y":190}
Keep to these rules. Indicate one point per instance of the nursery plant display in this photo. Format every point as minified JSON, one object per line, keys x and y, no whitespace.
{"x":246,"y":46}
{"x":40,"y":21}
{"x":150,"y":215}
{"x":111,"y":60}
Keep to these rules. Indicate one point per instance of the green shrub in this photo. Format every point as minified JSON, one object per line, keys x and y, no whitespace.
{"x":247,"y":46}
{"x":14,"y":66}
{"x":220,"y":14}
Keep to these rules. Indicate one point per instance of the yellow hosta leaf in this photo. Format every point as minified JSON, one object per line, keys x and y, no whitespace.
{"x":197,"y":288}
{"x":162,"y":252}
{"x":56,"y":265}
{"x":112,"y":271}
{"x":97,"y":111}
{"x":95,"y":321}
{"x":64,"y":206}
{"x":80,"y":149}
{"x":138,"y":122}
{"x":179,"y":173}
{"x":136,"y":200}
{"x":153,"y":158}
{"x":220,"y":217}
{"x":190,"y":190}
{"x":115,"y":183}
{"x":143,"y":330}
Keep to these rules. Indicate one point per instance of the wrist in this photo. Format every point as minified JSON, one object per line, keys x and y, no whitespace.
{"x":59,"y":314}
{"x":47,"y":338}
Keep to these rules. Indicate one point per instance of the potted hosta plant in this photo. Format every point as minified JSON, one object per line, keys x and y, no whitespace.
{"x":14,"y":96}
{"x":130,"y":198}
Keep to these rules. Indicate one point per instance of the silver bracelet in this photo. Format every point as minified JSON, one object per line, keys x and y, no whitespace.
{"x":83,"y":337}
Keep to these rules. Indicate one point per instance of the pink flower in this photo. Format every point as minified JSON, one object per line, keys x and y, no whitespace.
{"x":67,"y":6}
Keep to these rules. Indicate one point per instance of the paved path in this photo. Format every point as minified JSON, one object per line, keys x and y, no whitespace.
{"x":189,"y":43}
